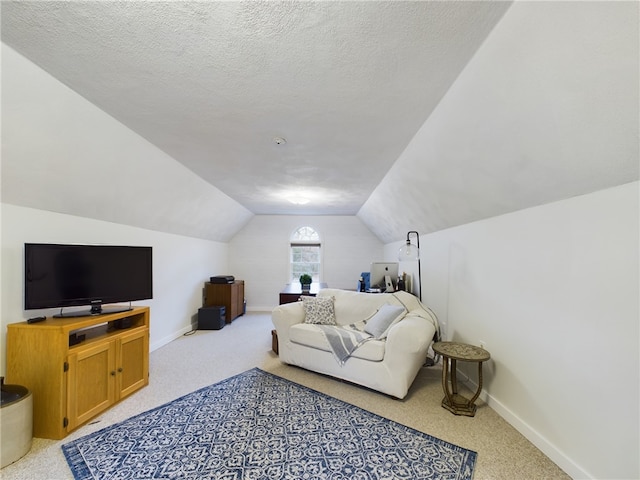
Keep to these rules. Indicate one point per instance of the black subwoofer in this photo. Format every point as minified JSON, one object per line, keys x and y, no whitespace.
{"x":211,"y":318}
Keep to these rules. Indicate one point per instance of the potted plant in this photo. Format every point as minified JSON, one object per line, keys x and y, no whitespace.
{"x":305,"y":282}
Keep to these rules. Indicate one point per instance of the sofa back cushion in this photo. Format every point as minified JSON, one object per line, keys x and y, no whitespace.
{"x":353,"y":307}
{"x":380,"y":323}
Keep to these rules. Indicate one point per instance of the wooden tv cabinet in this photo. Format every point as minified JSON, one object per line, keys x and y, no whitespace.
{"x":71,"y":384}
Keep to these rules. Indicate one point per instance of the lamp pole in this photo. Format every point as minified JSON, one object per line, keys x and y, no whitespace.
{"x":407,"y":253}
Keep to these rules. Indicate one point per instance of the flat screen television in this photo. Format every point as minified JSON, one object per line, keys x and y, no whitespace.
{"x":58,"y":276}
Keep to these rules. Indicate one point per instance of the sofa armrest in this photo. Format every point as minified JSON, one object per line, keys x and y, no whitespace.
{"x":285,"y":316}
{"x":411,"y":335}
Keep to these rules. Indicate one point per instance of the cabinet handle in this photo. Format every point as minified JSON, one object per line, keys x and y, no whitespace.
{"x":113,"y":374}
{"x":120,"y":370}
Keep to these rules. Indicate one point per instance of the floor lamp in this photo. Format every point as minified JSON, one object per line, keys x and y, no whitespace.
{"x":410,"y":252}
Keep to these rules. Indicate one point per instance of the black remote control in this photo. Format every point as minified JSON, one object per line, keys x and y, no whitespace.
{"x":36,"y":319}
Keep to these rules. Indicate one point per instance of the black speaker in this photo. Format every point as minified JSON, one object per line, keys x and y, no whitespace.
{"x":211,"y":318}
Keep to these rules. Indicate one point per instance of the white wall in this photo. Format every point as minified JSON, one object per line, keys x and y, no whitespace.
{"x":259,"y":254}
{"x":553,"y":291}
{"x":181,"y":265}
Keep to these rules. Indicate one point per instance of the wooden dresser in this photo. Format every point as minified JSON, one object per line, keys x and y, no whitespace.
{"x":228,"y":295}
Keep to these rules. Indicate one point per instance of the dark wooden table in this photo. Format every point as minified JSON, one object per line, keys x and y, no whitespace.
{"x":293,"y":291}
{"x":451,"y":352}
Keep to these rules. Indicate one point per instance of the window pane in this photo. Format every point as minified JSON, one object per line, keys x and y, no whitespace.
{"x":305,"y":234}
{"x":305,"y":260}
{"x":305,"y":254}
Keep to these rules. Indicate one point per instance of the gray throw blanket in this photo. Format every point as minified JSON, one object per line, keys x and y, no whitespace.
{"x":343,"y":340}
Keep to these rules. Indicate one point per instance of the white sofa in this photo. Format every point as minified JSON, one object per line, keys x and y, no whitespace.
{"x":388,"y":365}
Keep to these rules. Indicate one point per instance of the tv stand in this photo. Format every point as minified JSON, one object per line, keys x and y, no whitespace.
{"x":78,"y":367}
{"x":95,"y":310}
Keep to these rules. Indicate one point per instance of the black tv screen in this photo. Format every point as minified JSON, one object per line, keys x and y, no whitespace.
{"x":58,"y":276}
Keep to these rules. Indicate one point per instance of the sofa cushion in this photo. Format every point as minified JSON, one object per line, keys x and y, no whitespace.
{"x":319,"y":310}
{"x":353,"y":307}
{"x":312,"y":336}
{"x":378,"y":325}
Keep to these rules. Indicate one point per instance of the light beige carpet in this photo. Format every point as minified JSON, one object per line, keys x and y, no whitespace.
{"x":206,"y":357}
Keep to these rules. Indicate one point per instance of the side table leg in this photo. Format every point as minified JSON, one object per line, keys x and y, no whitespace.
{"x":457,"y":404}
{"x":448,"y":370}
{"x":445,"y":375}
{"x":475,"y":397}
{"x":454,"y":376}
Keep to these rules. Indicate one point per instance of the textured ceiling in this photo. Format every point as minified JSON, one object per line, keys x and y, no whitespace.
{"x":412,"y":115}
{"x":347,"y":84}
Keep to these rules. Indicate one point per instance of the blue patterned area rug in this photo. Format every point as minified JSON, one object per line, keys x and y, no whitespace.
{"x":260,"y":426}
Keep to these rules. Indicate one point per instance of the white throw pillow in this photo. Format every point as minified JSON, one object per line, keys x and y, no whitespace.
{"x":381,"y":321}
{"x":319,"y":310}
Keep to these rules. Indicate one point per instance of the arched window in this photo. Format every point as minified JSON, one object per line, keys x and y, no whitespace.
{"x":305,"y":254}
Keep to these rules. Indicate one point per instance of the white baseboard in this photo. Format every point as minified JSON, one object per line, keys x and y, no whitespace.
{"x":259,"y":309}
{"x":169,"y":338}
{"x":550,"y":450}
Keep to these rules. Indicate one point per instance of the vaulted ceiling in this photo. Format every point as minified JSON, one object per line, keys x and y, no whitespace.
{"x":412,"y":115}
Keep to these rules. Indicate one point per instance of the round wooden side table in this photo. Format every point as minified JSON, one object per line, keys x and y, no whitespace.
{"x":452,"y":352}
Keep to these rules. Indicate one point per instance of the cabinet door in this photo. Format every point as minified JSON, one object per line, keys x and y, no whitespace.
{"x":133,"y":362}
{"x":233,"y":301}
{"x":220,"y":294}
{"x":91,"y":382}
{"x":240,"y":298}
